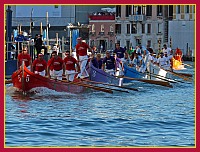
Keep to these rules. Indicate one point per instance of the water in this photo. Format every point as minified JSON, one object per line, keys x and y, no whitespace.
{"x":153,"y":116}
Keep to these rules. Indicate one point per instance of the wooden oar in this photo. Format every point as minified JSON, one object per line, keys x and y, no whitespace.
{"x":185,"y":74}
{"x":8,"y":81}
{"x":123,"y":87}
{"x":88,"y":86}
{"x":162,"y":83}
{"x":187,"y":65}
{"x":104,"y":87}
{"x":180,"y":76}
{"x":161,"y":77}
{"x":167,"y":79}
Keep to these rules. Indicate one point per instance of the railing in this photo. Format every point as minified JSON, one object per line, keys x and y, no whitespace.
{"x":137,"y":18}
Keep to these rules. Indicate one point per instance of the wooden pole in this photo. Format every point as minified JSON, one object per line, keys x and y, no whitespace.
{"x":47,"y":29}
{"x":41,"y":30}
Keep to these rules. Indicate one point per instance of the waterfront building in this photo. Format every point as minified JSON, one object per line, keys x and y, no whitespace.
{"x":182,"y":29}
{"x":101,"y":33}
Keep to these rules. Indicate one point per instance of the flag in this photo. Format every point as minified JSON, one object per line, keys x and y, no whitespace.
{"x":75,"y":35}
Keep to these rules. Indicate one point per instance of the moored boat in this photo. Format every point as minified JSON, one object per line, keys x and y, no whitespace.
{"x":25,"y":80}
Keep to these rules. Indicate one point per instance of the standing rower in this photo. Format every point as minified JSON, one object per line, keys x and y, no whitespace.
{"x":81,"y":53}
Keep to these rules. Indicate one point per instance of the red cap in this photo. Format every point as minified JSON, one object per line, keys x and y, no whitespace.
{"x":40,"y":54}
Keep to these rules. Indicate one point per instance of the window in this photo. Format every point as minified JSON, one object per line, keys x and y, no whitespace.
{"x":178,"y":10}
{"x":149,"y":43}
{"x":102,"y":28}
{"x":143,"y":28}
{"x":159,"y":10}
{"x":128,"y":10}
{"x":148,"y":28}
{"x":55,"y":6}
{"x":118,"y":11}
{"x":111,"y":28}
{"x":133,"y":29}
{"x":93,"y":28}
{"x":133,"y":9}
{"x":149,"y":10}
{"x":139,"y":10}
{"x":127,"y":44}
{"x":118,"y":28}
{"x":159,"y":28}
{"x":128,"y":29}
{"x":187,"y":9}
{"x":170,"y":10}
{"x":111,"y":44}
{"x":92,"y":43}
{"x":143,"y":9}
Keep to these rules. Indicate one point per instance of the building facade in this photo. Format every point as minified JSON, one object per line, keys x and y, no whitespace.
{"x":142,"y":25}
{"x":101,"y":31}
{"x":182,"y":29}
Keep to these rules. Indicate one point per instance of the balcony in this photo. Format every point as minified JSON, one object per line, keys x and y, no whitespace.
{"x":137,"y":18}
{"x":92,"y":33}
{"x":111,"y":33}
{"x":101,"y":33}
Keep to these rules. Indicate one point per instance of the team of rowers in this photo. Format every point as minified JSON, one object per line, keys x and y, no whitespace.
{"x":57,"y":68}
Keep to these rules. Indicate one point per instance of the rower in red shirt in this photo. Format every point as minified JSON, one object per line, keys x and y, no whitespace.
{"x":24,"y":56}
{"x":56,"y":63}
{"x":40,"y":65}
{"x":70,"y":63}
{"x":81,"y":53}
{"x":178,"y":54}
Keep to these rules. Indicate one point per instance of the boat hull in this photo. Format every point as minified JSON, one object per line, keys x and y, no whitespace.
{"x":132,"y":73}
{"x":156,"y":70}
{"x":177,"y":65}
{"x":26,"y":80}
{"x":99,"y":75}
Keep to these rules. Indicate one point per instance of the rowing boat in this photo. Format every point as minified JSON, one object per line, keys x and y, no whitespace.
{"x":177,"y":65}
{"x":25,"y":80}
{"x":132,"y":72}
{"x":156,"y":70}
{"x":99,"y":75}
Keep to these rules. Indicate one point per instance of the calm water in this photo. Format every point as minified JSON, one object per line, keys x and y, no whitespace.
{"x":153,"y":116}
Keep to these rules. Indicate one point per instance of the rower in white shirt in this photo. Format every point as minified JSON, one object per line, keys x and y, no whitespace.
{"x":162,"y":61}
{"x":166,"y":49}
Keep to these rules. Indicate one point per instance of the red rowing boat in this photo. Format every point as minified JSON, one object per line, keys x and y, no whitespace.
{"x":26,"y":80}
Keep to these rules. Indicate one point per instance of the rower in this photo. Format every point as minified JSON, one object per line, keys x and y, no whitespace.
{"x":109,"y":64}
{"x":166,"y":49}
{"x":119,"y":51}
{"x":96,"y":61}
{"x":162,"y":61}
{"x":70,"y":64}
{"x":137,"y":61}
{"x":81,"y":53}
{"x":24,"y":56}
{"x":56,"y":63}
{"x":40,"y":65}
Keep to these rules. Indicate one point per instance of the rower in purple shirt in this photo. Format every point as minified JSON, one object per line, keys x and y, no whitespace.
{"x":119,"y":51}
{"x":97,"y":61}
